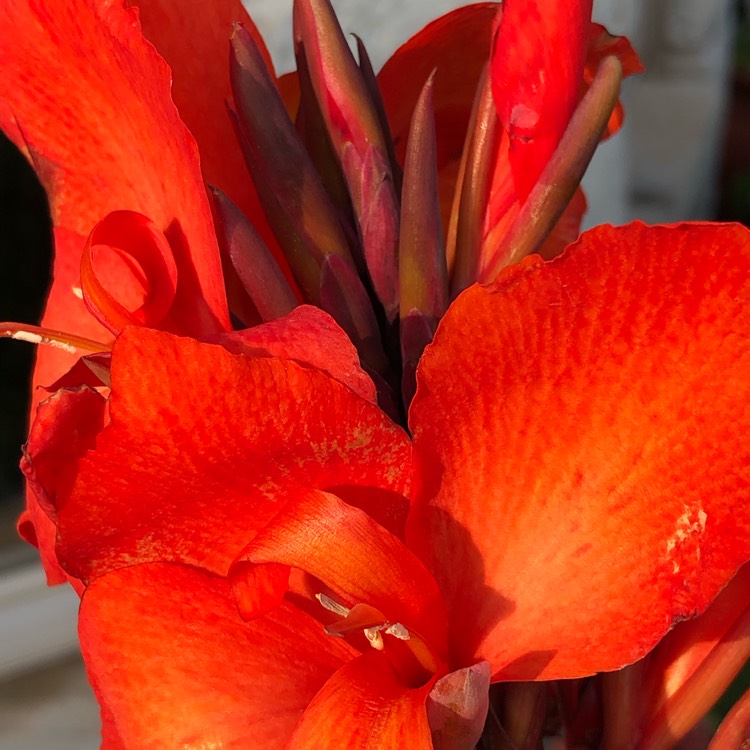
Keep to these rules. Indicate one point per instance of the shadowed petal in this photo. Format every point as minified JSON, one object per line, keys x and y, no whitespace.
{"x":204,"y":444}
{"x":193,"y":37}
{"x":360,"y":560}
{"x":591,"y":411}
{"x":364,"y":707}
{"x":64,"y":426}
{"x":734,"y":730}
{"x":175,"y":666}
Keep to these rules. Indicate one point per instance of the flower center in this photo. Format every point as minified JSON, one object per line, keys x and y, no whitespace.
{"x":355,"y":618}
{"x":407,"y":652}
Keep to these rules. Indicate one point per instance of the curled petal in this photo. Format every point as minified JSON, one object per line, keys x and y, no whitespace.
{"x":595,"y":428}
{"x":127,"y":255}
{"x":101,"y":138}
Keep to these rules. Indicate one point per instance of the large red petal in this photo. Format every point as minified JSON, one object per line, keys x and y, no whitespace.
{"x":174,"y":665}
{"x":203,"y":445}
{"x":582,"y":474}
{"x":87,"y":99}
{"x":365,"y":707}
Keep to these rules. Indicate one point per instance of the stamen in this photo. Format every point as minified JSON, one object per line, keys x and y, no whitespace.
{"x":49,"y":337}
{"x":376,"y":640}
{"x":331,"y":605}
{"x":373,"y":633}
{"x":397,"y":630}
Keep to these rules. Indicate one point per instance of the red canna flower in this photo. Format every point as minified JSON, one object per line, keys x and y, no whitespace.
{"x":585,"y":506}
{"x":267,"y":559}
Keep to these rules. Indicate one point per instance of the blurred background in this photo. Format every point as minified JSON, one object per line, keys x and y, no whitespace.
{"x":683,"y":153}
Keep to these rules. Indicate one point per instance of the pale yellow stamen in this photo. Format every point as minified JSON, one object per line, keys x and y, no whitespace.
{"x":332,"y":606}
{"x":374,"y":633}
{"x":374,"y":637}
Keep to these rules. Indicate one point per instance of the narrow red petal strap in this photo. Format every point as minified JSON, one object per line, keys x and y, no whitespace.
{"x":537,"y":74}
{"x":734,"y":731}
{"x":127,"y":252}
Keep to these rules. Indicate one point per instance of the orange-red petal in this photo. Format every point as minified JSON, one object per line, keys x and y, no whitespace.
{"x":193,"y":38}
{"x":365,"y":707}
{"x":537,"y":73}
{"x":578,"y":437}
{"x":202,"y":447}
{"x":175,"y":666}
{"x":310,"y":337}
{"x":64,"y":427}
{"x":457,"y":47}
{"x":360,"y":560}
{"x":128,"y":273}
